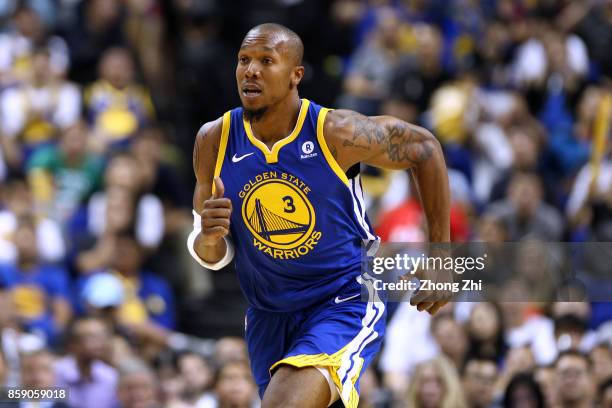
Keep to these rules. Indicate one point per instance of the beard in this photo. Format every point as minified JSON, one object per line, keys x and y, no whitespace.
{"x":253,"y":115}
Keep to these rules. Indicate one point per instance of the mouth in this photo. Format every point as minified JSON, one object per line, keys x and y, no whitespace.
{"x":251,"y":90}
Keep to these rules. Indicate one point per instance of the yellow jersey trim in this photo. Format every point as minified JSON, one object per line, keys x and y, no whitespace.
{"x":272,"y":155}
{"x":222,"y":146}
{"x":326,"y":152}
{"x":333,"y":363}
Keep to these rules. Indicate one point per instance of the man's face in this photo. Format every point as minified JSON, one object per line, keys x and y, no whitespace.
{"x":92,"y":339}
{"x":25,"y":241}
{"x":37,"y":371}
{"x":573,"y":380}
{"x":138,"y":390}
{"x":266,"y":70}
{"x":235,"y":386}
{"x":479,"y":381}
{"x":195,"y":372}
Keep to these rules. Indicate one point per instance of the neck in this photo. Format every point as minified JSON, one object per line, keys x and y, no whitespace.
{"x":84,"y":366}
{"x":26,"y":265}
{"x":278,"y":121}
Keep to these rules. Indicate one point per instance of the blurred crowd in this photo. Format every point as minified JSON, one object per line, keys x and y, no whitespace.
{"x":100,"y":101}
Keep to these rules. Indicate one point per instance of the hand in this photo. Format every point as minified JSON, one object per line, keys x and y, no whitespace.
{"x":216,"y":215}
{"x":433,"y":300}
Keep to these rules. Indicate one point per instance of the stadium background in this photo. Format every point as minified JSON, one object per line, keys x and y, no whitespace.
{"x":100,"y":101}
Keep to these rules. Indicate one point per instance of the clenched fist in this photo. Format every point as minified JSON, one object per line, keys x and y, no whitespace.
{"x":215,"y":216}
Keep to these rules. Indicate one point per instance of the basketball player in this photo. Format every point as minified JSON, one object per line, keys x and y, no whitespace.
{"x":280,"y":176}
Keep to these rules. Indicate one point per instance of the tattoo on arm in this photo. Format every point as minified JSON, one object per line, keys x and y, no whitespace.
{"x":399,"y":141}
{"x":333,"y":151}
{"x":348,"y":143}
{"x":407,"y":145}
{"x":367,"y":131}
{"x":196,"y":154}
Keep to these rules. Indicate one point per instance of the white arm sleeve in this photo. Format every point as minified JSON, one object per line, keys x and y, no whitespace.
{"x":229,"y":252}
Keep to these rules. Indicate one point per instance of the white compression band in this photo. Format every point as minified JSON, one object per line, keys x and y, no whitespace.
{"x":229,"y":252}
{"x":334,"y":394}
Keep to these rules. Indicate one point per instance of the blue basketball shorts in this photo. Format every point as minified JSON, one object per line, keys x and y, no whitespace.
{"x":342,"y":334}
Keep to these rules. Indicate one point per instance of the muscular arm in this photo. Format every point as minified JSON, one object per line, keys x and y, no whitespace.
{"x":387,"y":142}
{"x":210,"y":248}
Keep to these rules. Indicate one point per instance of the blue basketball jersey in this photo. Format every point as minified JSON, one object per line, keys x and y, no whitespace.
{"x":298,"y":223}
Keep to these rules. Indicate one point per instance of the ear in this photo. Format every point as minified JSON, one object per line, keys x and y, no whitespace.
{"x":297,"y":75}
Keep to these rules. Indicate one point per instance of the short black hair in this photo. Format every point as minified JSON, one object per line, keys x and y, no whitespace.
{"x":479,"y":358}
{"x":573,"y":353}
{"x":524,"y":379}
{"x":603,"y":387}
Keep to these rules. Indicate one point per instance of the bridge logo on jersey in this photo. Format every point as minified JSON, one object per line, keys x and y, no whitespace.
{"x":279,"y":215}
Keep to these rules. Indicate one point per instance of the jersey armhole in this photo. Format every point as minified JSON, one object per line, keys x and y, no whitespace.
{"x":222,"y":146}
{"x":333,"y":164}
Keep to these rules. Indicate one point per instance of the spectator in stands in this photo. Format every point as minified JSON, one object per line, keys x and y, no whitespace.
{"x":397,"y":365}
{"x":17,"y":202}
{"x":524,"y":212}
{"x":605,"y":394}
{"x":159,"y":163}
{"x":601,"y":361}
{"x":17,"y":46}
{"x":518,"y":360}
{"x":37,"y":372}
{"x":414,"y":80}
{"x":450,"y":337}
{"x":435,"y":384}
{"x":230,"y":348}
{"x":486,"y":331}
{"x":198,"y":377}
{"x":526,"y":147}
{"x":574,"y":382}
{"x":478,"y":378}
{"x":138,"y":386}
{"x":96,"y":26}
{"x":116,"y":105}
{"x":92,"y":382}
{"x":235,"y":386}
{"x":64,"y":176}
{"x":97,"y":251}
{"x":40,"y":291}
{"x":545,"y":376}
{"x":35,"y":111}
{"x":524,"y":392}
{"x":123,"y":171}
{"x":147,"y":301}
{"x":368,"y":80}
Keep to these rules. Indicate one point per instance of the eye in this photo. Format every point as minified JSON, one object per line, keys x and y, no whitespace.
{"x":267,"y":61}
{"x":243,"y":59}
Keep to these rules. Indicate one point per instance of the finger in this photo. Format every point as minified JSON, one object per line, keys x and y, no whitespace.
{"x":216,"y":213}
{"x":420,"y":296}
{"x":435,"y":307}
{"x":217,"y":203}
{"x":423,"y":306}
{"x":219,"y":188}
{"x":216,"y":232}
{"x":214,"y":222}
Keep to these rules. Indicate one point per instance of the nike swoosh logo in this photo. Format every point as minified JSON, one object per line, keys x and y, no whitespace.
{"x":338,"y":300}
{"x":237,"y":159}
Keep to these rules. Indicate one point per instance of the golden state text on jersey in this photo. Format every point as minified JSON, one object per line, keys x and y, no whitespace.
{"x":299,"y":223}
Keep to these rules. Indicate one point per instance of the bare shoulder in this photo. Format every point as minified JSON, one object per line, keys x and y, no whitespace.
{"x":206,"y":145}
{"x":210,"y":132}
{"x":342,"y":122}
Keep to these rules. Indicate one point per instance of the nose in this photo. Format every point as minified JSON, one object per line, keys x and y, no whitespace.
{"x":252,"y":70}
